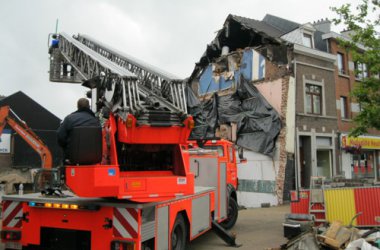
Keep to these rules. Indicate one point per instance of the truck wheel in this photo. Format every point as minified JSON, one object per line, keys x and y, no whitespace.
{"x":179,"y":232}
{"x":232,"y":214}
{"x":148,"y":245}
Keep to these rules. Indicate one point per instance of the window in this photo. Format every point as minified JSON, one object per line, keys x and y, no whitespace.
{"x":313,"y":99}
{"x":361,"y":71}
{"x":308,"y":40}
{"x":217,"y":148}
{"x":363,"y":165}
{"x":343,"y":107}
{"x":341,"y":65}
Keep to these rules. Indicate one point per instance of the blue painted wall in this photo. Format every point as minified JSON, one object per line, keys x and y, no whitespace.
{"x":252,"y":67}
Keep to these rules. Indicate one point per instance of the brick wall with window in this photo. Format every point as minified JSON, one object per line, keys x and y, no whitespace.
{"x":344,"y":108}
{"x":310,"y":75}
{"x":313,"y":95}
{"x":344,"y":85}
{"x":342,"y":63}
{"x":315,"y":98}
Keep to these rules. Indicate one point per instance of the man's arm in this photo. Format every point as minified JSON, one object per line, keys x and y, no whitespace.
{"x":62,"y":134}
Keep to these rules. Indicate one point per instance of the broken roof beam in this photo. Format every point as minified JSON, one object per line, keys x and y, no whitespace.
{"x":239,"y":33}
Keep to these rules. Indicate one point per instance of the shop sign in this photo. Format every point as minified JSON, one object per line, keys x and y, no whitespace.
{"x":360,"y":142}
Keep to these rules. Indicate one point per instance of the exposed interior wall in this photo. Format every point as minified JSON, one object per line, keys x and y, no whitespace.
{"x":272,"y":91}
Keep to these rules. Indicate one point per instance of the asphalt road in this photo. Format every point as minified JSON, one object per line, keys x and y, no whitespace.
{"x":256,"y":229}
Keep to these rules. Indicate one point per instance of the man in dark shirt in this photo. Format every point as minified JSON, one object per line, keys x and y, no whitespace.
{"x":83,"y":117}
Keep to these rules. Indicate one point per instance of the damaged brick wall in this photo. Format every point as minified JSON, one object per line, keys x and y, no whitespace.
{"x":280,"y":177}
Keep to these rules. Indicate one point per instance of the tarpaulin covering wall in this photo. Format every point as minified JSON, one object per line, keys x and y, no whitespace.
{"x":258,"y":124}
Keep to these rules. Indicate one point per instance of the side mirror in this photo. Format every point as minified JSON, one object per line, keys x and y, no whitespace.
{"x":244,"y":160}
{"x":241,"y":155}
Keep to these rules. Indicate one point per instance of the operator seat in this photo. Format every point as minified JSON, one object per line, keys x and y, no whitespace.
{"x":85,"y":146}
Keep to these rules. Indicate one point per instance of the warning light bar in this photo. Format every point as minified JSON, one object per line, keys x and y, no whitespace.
{"x":62,"y":206}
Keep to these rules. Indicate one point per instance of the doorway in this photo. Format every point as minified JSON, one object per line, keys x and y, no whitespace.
{"x":305,"y":160}
{"x":324,"y":162}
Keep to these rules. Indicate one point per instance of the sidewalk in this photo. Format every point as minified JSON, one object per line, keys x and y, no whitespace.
{"x":256,"y":229}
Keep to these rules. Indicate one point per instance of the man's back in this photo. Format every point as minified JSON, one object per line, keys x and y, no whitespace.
{"x":80,"y":118}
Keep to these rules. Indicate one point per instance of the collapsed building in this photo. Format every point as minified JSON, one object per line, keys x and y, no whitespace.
{"x":269,"y":87}
{"x":241,"y":85}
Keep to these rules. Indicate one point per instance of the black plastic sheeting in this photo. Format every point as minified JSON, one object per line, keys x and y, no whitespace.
{"x":258,"y":124}
{"x":206,"y":119}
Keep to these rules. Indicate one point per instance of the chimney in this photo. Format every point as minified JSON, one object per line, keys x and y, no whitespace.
{"x":323,"y":25}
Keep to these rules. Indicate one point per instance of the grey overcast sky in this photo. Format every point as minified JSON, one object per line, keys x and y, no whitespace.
{"x":170,"y":34}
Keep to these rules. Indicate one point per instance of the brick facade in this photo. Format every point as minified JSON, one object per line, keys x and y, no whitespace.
{"x":345,"y":83}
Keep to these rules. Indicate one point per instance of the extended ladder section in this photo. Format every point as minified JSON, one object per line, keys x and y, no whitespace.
{"x":139,"y":93}
{"x":161,"y":83}
{"x":144,"y":127}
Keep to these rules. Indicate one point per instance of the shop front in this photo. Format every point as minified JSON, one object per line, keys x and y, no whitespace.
{"x":360,"y":157}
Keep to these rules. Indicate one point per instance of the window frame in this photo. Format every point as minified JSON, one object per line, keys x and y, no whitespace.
{"x":231,"y":155}
{"x":323,"y":94}
{"x":313,"y":95}
{"x":363,"y":70}
{"x":305,"y":37}
{"x":219,"y":149}
{"x":344,"y":114}
{"x":342,"y":70}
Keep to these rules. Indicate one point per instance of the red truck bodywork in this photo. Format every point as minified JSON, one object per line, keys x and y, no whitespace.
{"x":143,"y":208}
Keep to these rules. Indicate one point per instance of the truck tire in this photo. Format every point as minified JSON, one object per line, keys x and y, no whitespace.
{"x":178,"y":235}
{"x":232,"y":214}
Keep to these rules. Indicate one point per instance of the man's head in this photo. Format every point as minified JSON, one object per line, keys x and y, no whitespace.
{"x":83,"y":103}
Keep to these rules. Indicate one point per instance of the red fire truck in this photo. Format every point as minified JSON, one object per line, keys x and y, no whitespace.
{"x":136,"y":183}
{"x":36,"y":221}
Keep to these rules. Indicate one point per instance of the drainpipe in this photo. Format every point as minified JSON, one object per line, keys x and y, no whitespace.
{"x":338,"y":147}
{"x":296,"y":154}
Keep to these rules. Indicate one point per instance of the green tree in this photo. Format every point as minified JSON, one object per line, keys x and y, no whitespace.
{"x":363,"y":21}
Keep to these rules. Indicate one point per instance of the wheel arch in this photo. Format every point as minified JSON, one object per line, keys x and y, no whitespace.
{"x":231,"y":191}
{"x":187,"y":222}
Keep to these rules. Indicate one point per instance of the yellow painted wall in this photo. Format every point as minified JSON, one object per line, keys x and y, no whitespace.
{"x":340,"y":205}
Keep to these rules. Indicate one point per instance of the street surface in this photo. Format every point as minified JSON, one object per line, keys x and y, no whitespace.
{"x":256,"y":229}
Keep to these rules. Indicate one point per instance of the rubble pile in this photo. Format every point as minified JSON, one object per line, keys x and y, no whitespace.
{"x":335,"y":237}
{"x":341,"y":182}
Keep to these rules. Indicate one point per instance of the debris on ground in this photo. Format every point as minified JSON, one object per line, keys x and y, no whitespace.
{"x":335,"y":237}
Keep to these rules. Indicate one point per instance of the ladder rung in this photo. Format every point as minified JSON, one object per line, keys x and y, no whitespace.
{"x":317,"y":211}
{"x":320,"y":220}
